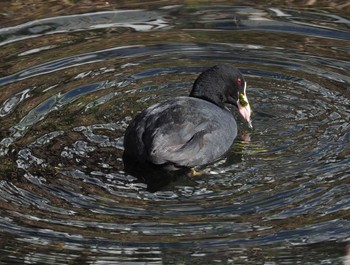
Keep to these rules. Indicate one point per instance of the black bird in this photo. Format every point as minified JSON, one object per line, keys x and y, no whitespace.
{"x":190,"y":131}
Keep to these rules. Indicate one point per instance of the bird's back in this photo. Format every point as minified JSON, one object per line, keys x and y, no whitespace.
{"x":184,"y":131}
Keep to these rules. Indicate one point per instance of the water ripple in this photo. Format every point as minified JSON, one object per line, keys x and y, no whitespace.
{"x":282,"y":188}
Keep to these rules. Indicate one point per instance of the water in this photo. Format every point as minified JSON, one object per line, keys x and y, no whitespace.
{"x":70,"y":83}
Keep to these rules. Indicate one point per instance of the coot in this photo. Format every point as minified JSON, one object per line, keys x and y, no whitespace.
{"x":190,"y":131}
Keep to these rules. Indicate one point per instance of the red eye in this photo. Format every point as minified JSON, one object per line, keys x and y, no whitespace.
{"x":239,"y":82}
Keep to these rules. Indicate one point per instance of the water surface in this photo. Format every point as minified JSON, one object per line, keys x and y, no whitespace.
{"x":70,"y":83}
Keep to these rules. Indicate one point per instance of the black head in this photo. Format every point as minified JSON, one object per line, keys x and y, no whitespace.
{"x":219,"y":84}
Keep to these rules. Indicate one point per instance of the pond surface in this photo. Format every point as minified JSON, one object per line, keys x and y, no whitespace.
{"x":72,"y":76}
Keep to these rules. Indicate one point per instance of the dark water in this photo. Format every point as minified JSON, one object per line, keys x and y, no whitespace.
{"x":70,"y":84}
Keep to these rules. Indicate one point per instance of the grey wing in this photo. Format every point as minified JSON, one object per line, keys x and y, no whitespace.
{"x":178,"y":147}
{"x":191,"y":145}
{"x":185,"y":132}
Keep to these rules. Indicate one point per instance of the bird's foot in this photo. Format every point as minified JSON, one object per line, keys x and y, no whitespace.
{"x":195,"y":173}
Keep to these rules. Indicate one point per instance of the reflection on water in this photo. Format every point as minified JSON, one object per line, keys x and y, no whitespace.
{"x":70,"y":84}
{"x":347,"y":256}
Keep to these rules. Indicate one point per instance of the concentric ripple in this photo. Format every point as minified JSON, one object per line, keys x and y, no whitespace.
{"x":283,"y":188}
